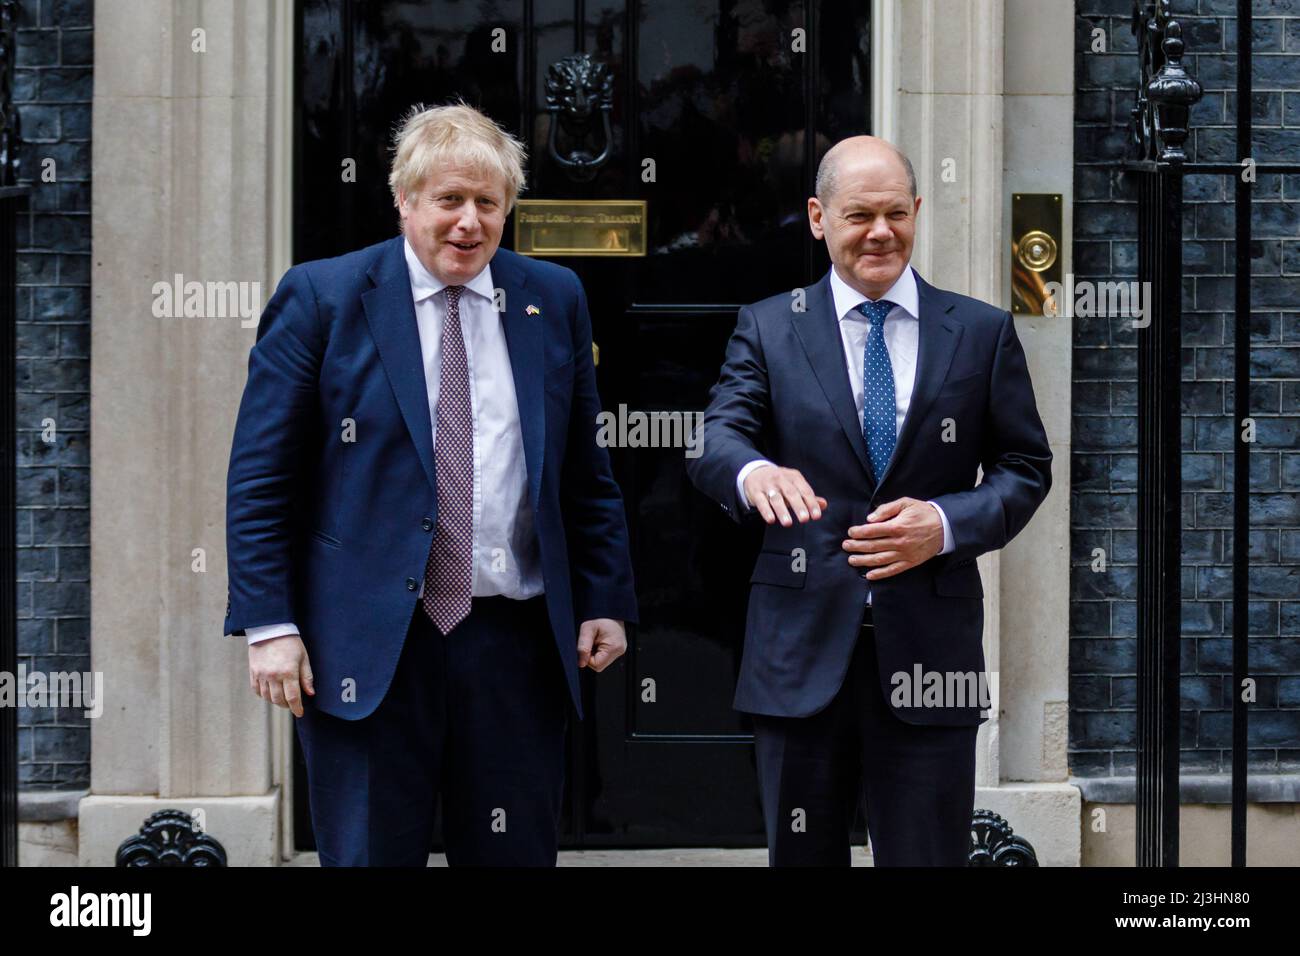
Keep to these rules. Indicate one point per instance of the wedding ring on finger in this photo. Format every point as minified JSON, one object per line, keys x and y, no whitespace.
{"x":773,"y":493}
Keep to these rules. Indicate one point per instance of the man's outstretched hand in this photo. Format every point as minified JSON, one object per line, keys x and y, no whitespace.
{"x":776,"y":492}
{"x":897,"y":536}
{"x":278,"y":670}
{"x":601,"y":641}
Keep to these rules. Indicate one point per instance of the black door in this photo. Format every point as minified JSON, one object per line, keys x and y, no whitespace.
{"x":719,"y":112}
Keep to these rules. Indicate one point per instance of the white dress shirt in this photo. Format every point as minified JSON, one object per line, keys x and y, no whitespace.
{"x":902,"y":338}
{"x":507,"y":560}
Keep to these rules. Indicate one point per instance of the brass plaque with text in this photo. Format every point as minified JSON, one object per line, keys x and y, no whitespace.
{"x":580,"y":227}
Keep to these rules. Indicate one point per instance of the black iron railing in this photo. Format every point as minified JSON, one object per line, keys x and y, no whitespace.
{"x":1165,"y":96}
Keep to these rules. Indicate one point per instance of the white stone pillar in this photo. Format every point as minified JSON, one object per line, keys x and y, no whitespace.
{"x":979,"y":94}
{"x":191,"y":123}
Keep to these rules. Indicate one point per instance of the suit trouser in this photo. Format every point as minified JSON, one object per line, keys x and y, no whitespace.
{"x":919,"y":780}
{"x":477,"y":717}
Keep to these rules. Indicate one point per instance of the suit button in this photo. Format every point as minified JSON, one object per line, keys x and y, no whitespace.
{"x":411,"y":584}
{"x":426,"y":524}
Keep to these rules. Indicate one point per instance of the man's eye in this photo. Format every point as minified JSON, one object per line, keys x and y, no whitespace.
{"x":487,"y":202}
{"x":856,"y":217}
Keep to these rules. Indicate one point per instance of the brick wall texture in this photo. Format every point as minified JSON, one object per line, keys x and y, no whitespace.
{"x":1103,"y":720}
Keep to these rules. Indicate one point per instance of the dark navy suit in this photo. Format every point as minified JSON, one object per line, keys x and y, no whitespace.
{"x":335,"y":535}
{"x":784,"y":395}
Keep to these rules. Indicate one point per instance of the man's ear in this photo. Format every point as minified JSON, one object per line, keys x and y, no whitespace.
{"x":815,"y":213}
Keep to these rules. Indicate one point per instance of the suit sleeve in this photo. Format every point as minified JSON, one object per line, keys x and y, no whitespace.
{"x":735,"y":421}
{"x":595,"y":524}
{"x":275,"y":422}
{"x":1015,"y":456}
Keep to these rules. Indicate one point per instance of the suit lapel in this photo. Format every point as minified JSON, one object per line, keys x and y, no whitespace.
{"x":390,"y":312}
{"x":817,"y":329}
{"x":524,"y":342}
{"x":937,"y":343}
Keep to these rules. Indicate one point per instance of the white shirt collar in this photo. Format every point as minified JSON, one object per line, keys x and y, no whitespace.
{"x":902,"y":293}
{"x":424,"y":283}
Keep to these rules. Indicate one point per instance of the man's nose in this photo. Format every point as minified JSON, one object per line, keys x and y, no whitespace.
{"x":468,"y":217}
{"x":880,"y":230}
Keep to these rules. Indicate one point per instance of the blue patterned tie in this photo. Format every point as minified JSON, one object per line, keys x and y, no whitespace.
{"x":878,"y":409}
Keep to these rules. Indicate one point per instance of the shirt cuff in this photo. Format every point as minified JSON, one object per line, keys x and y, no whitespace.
{"x":740,"y":480}
{"x":948,"y":543}
{"x":265,"y":632}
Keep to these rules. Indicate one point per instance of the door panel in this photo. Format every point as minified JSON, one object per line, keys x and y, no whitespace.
{"x":734,"y":121}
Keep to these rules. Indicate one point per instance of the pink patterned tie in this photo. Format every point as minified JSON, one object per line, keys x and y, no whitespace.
{"x":449,"y":573}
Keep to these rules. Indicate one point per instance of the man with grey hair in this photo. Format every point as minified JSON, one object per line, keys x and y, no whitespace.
{"x":425,"y":542}
{"x":852,"y":417}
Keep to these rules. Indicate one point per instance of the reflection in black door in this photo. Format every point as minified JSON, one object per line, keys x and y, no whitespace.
{"x":734,"y":101}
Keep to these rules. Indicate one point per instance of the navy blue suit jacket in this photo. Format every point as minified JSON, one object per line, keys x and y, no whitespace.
{"x":784,"y":394}
{"x":334,"y":535}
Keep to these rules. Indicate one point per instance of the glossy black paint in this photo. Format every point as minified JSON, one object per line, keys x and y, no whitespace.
{"x":735,"y":121}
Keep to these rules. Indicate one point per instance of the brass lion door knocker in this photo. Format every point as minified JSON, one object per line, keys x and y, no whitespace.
{"x":576,"y":89}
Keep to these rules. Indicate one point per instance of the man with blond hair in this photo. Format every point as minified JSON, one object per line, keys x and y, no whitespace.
{"x":425,"y":543}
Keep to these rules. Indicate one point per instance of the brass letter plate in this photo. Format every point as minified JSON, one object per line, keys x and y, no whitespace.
{"x":580,"y":227}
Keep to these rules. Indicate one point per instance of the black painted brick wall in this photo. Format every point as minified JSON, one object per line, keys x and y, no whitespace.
{"x":1103,"y":721}
{"x":53,"y":96}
